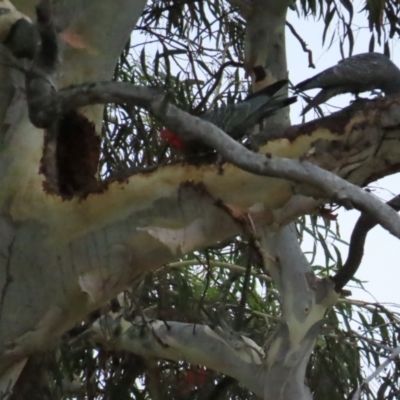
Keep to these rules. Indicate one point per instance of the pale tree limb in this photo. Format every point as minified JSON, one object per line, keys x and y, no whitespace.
{"x":104,"y":264}
{"x":297,"y":206}
{"x":219,"y":349}
{"x":324,"y":184}
{"x":304,"y":301}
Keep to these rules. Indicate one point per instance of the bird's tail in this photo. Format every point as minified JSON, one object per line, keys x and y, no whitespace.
{"x":273,"y":105}
{"x":322,"y":97}
{"x":310,"y":83}
{"x":265,"y":101}
{"x":263,"y":105}
{"x":269,"y":90}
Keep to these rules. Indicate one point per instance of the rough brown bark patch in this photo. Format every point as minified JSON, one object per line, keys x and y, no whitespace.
{"x":71,"y":156}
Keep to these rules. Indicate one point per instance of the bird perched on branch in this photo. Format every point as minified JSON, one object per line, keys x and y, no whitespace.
{"x":239,"y":119}
{"x":356,"y":74}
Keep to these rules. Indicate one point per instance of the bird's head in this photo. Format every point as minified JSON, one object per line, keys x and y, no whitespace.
{"x":172,"y":139}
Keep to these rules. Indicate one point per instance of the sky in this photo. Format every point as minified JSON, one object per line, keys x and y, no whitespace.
{"x":380,"y":268}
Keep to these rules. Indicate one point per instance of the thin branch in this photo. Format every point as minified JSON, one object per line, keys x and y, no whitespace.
{"x":220,"y":264}
{"x":219,"y":85}
{"x":217,"y":79}
{"x":357,"y":242}
{"x":372,"y":342}
{"x":47,"y":54}
{"x":303,"y":44}
{"x":372,"y":307}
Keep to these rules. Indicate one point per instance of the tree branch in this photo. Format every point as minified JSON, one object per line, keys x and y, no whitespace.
{"x":326,"y":184}
{"x":225,"y":352}
{"x":356,"y":249}
{"x":304,"y":302}
{"x":303,"y":44}
{"x":46,"y":107}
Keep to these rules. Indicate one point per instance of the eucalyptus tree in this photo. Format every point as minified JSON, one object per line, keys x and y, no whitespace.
{"x":131,"y":270}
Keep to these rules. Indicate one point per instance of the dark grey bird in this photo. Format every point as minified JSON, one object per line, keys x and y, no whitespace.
{"x":356,"y":74}
{"x":238,"y":119}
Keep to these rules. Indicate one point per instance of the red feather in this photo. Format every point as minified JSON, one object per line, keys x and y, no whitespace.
{"x":173,"y":140}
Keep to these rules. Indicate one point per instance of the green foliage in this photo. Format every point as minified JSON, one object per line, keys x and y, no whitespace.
{"x":184,"y":60}
{"x":382,"y":17}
